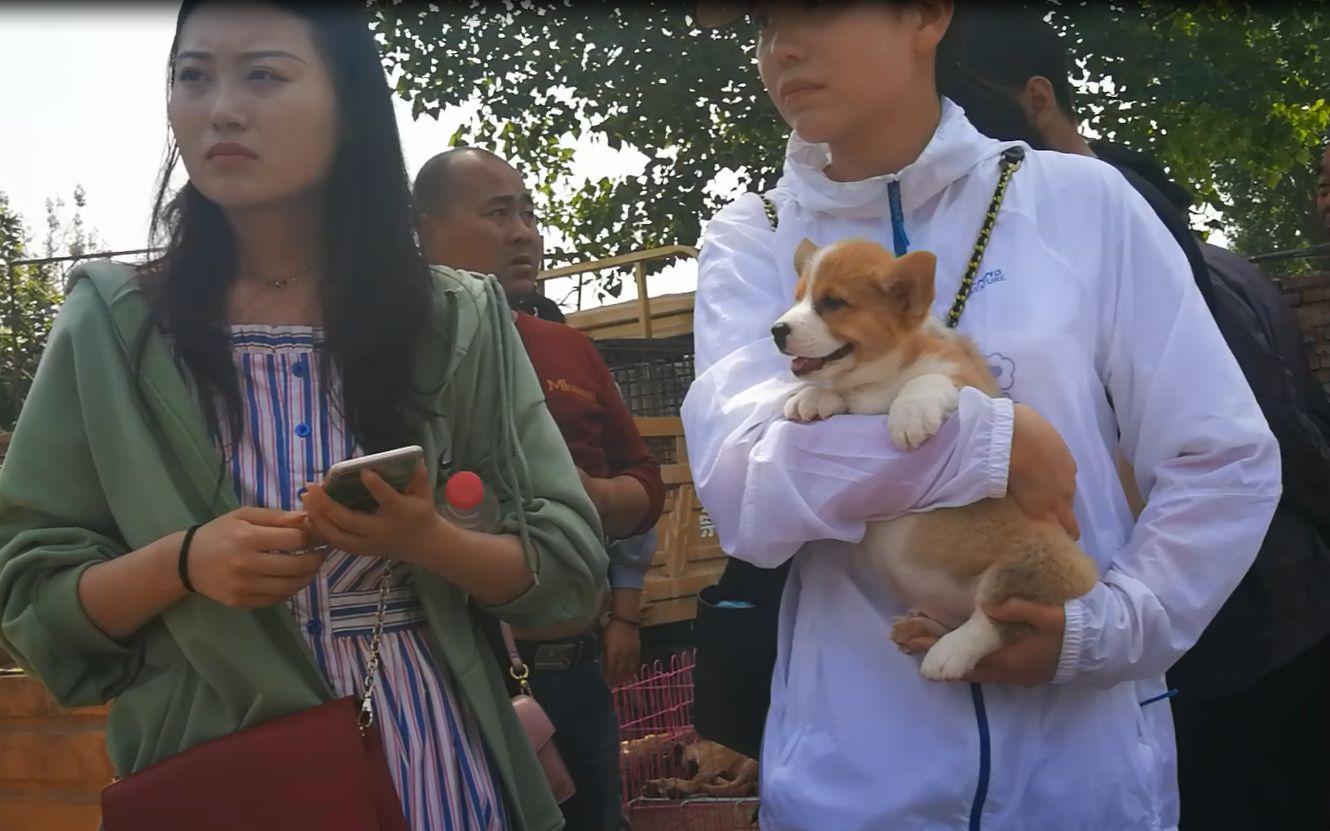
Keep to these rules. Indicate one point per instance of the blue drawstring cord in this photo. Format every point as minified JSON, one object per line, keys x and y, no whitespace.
{"x":1159,"y":697}
{"x":899,"y":239}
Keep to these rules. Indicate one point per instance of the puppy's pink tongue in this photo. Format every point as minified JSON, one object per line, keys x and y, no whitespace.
{"x":803,"y":366}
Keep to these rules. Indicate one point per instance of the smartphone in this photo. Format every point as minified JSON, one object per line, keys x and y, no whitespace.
{"x":396,"y":467}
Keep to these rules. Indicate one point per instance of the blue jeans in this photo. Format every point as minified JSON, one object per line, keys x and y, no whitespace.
{"x":586,"y":731}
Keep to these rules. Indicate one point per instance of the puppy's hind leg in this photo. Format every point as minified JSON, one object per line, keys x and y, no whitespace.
{"x":1045,"y":569}
{"x":952,"y":657}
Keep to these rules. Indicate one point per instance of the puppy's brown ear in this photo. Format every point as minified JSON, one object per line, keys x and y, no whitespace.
{"x":908,"y":282}
{"x":802,"y":255}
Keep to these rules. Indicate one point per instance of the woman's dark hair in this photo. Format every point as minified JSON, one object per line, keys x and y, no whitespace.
{"x":974,"y":69}
{"x":376,"y":288}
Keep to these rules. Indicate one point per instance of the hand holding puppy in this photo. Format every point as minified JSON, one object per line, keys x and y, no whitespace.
{"x":1030,"y":661}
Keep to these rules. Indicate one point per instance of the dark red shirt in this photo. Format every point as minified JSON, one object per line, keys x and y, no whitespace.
{"x":591,"y":414}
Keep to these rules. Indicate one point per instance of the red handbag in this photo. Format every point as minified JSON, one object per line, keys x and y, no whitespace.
{"x":321,"y":769}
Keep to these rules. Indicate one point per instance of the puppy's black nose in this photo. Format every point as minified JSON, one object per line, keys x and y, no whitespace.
{"x":781,"y":332}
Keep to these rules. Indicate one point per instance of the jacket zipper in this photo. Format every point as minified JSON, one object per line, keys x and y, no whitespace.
{"x":901,"y":243}
{"x":985,"y":759}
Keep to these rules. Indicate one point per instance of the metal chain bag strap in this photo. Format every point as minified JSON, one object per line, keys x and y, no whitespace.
{"x":321,"y":769}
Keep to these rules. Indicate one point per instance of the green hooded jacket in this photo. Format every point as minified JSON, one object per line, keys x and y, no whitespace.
{"x":99,"y":466}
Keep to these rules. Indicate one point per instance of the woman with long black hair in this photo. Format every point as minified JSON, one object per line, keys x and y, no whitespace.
{"x":184,"y":412}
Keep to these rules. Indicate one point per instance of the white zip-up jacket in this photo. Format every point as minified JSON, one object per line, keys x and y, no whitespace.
{"x":1086,"y":309}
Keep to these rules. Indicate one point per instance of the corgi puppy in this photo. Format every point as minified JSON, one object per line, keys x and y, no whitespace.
{"x":862,"y":339}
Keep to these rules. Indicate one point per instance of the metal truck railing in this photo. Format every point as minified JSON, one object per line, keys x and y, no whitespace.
{"x":638,"y":261}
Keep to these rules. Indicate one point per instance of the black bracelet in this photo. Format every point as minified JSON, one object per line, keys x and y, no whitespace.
{"x":183,"y":563}
{"x":617,"y":618}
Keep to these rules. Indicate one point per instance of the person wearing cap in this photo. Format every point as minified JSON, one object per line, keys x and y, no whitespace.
{"x":1086,"y":309}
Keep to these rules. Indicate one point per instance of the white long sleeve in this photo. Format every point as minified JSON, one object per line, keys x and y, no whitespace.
{"x":1203,"y":455}
{"x":1081,"y":292}
{"x":770,"y":485}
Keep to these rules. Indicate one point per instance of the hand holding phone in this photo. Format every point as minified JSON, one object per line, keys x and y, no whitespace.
{"x":396,"y":515}
{"x":396,"y":467}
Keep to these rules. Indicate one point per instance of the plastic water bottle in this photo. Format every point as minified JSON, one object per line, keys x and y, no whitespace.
{"x":469,"y":504}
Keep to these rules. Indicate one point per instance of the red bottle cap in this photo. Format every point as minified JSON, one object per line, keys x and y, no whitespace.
{"x":464,"y":490}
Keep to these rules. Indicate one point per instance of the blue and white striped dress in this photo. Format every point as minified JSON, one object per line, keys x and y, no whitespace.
{"x":293,"y":432}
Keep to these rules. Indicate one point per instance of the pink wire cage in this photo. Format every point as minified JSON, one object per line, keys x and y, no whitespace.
{"x":656,"y":717}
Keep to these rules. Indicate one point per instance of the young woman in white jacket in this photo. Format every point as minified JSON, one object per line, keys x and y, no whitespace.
{"x":1086,"y":309}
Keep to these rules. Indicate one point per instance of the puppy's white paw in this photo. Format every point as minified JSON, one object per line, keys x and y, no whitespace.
{"x":951,"y":658}
{"x":813,"y":404}
{"x":918,"y":412}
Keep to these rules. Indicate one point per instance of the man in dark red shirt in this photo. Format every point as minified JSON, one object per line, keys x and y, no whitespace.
{"x":476,"y":214}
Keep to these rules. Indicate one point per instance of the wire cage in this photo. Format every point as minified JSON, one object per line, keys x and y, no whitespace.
{"x":653,"y":373}
{"x":656,"y":720}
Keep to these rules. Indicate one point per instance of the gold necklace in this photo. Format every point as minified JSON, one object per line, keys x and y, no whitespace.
{"x":283,"y":283}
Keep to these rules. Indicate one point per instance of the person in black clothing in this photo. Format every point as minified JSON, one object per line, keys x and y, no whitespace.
{"x":1011,"y":75}
{"x":1252,"y":714}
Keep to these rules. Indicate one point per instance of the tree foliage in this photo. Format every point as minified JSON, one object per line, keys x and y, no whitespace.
{"x":636,"y":74}
{"x":30,"y":294}
{"x":69,"y":237}
{"x":1231,"y":97}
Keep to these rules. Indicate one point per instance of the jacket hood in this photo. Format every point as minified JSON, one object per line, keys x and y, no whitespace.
{"x":955,"y":149}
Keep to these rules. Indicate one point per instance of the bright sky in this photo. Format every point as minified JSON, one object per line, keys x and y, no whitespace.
{"x":85,"y":103}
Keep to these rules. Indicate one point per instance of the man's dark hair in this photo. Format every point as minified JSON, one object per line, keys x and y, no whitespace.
{"x":435,"y":182}
{"x":1007,"y":44}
